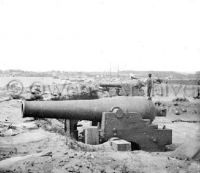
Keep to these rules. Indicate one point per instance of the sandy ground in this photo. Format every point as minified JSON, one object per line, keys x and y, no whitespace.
{"x":40,"y":146}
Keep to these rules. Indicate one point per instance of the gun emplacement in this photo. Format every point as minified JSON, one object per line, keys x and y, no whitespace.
{"x":127,"y":118}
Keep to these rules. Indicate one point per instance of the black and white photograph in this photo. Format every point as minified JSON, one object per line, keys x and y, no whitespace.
{"x":99,"y":86}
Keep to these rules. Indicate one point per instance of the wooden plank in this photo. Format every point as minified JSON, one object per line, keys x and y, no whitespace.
{"x":121,"y":145}
{"x":92,"y":135}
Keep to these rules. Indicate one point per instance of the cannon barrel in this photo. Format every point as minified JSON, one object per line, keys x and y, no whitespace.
{"x":120,"y":85}
{"x":111,"y":85}
{"x":88,"y":109}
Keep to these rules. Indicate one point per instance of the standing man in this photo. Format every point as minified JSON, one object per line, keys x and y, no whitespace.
{"x":198,"y":90}
{"x":149,"y":86}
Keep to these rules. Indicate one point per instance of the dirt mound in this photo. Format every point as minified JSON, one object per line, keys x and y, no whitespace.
{"x":189,"y":150}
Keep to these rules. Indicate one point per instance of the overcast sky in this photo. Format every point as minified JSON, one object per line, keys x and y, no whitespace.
{"x":95,"y":35}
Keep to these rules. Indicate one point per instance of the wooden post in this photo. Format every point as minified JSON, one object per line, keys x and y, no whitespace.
{"x":67,"y":127}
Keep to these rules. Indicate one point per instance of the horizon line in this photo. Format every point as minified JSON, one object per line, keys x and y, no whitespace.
{"x":85,"y":71}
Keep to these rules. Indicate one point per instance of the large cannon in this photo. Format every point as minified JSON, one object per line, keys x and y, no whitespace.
{"x":128,"y":118}
{"x":89,"y":109}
